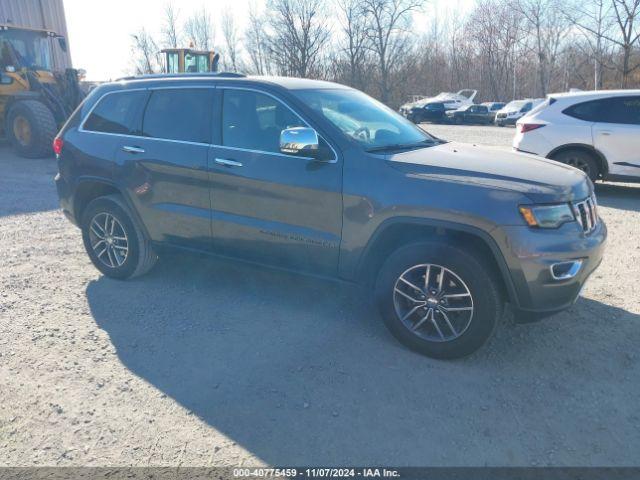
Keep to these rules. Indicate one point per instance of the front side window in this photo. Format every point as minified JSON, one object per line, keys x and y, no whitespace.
{"x":179,"y":114}
{"x":254,"y":121}
{"x":116,"y":113}
{"x":626,"y":110}
{"x":363,"y":119}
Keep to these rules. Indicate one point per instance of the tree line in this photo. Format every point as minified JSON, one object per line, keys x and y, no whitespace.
{"x":505,"y":49}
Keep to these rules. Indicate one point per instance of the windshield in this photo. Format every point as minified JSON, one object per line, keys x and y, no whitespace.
{"x":196,"y":63}
{"x":22,"y":48}
{"x":363,"y":119}
{"x":515,"y":105}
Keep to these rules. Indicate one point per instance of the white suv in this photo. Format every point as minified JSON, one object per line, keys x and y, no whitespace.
{"x":597,"y":132}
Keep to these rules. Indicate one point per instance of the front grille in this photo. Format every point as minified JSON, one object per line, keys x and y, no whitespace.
{"x":586,"y":213}
{"x":501,"y":115}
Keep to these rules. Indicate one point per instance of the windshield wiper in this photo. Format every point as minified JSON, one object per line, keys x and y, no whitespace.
{"x":402,"y":146}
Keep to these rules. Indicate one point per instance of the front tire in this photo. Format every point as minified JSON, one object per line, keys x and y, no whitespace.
{"x":439,"y":300}
{"x":31,"y":128}
{"x":114,"y":242}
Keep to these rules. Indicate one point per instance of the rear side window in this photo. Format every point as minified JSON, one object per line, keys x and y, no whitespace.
{"x":623,"y":110}
{"x":594,"y":111}
{"x":117,"y":113}
{"x":179,"y":114}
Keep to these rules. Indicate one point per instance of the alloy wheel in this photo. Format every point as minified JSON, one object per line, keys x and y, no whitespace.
{"x":433,"y":302}
{"x":108,"y":240}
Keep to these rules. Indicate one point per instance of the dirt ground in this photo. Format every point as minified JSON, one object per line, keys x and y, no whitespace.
{"x":204,"y":362}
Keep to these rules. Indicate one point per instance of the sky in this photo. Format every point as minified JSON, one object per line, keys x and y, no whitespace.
{"x":100,"y":30}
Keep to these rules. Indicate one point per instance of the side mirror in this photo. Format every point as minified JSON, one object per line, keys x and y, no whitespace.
{"x":301,"y":141}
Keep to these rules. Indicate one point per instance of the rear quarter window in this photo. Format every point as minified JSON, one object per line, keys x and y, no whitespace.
{"x":117,"y":112}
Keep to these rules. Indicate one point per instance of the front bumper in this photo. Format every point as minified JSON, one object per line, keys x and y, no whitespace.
{"x":531,"y":255}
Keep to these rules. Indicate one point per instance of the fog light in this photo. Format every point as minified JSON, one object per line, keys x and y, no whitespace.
{"x":565,"y":270}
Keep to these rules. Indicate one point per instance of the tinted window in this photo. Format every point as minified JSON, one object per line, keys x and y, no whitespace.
{"x":116,"y":113}
{"x":625,"y":110}
{"x":594,"y":111}
{"x":180,"y":114}
{"x":254,"y":121}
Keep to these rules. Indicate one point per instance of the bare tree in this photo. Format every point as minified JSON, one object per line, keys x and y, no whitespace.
{"x":595,"y":21}
{"x":298,"y":32}
{"x":145,"y":55}
{"x":256,"y":42}
{"x":354,"y":21}
{"x":170,"y":30}
{"x":626,"y":14}
{"x":496,"y":28}
{"x":388,"y":32}
{"x":231,"y":40}
{"x":547,"y":28}
{"x":200,"y":30}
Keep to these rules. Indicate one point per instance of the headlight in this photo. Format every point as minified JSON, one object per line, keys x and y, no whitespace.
{"x":547,"y":216}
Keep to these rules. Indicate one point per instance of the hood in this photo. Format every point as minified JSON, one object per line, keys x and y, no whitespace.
{"x":541,"y":180}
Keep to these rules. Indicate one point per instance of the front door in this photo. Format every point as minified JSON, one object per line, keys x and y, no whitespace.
{"x":617,"y":135}
{"x":267,"y":206}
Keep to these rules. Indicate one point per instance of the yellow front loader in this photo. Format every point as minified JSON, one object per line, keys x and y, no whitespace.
{"x":188,"y":60}
{"x":35,"y":97}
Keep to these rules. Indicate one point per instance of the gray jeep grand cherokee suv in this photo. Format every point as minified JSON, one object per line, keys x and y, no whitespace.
{"x":322,"y":179}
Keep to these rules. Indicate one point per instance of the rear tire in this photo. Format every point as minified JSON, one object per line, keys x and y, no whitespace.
{"x":31,"y":128}
{"x":458,"y":331}
{"x":581,"y":160}
{"x":107,"y":223}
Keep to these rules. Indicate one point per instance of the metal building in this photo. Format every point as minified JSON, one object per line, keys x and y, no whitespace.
{"x":41,"y":14}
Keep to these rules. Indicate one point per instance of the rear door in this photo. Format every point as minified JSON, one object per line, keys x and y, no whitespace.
{"x":616,"y":134}
{"x":164,"y":167}
{"x":113,"y":118}
{"x":268,"y":206}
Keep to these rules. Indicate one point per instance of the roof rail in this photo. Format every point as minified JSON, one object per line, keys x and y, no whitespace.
{"x":184,"y":75}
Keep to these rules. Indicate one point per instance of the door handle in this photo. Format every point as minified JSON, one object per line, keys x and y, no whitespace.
{"x":606,"y":133}
{"x":129,"y":149}
{"x":228,"y":163}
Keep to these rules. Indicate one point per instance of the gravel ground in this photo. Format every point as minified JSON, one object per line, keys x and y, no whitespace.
{"x":204,"y":362}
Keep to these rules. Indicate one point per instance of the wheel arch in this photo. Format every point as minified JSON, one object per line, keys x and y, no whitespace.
{"x":603,"y":165}
{"x":394,"y":233}
{"x":88,"y":189}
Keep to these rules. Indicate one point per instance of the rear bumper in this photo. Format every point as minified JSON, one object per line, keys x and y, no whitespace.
{"x":531,"y":256}
{"x":66,"y":197}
